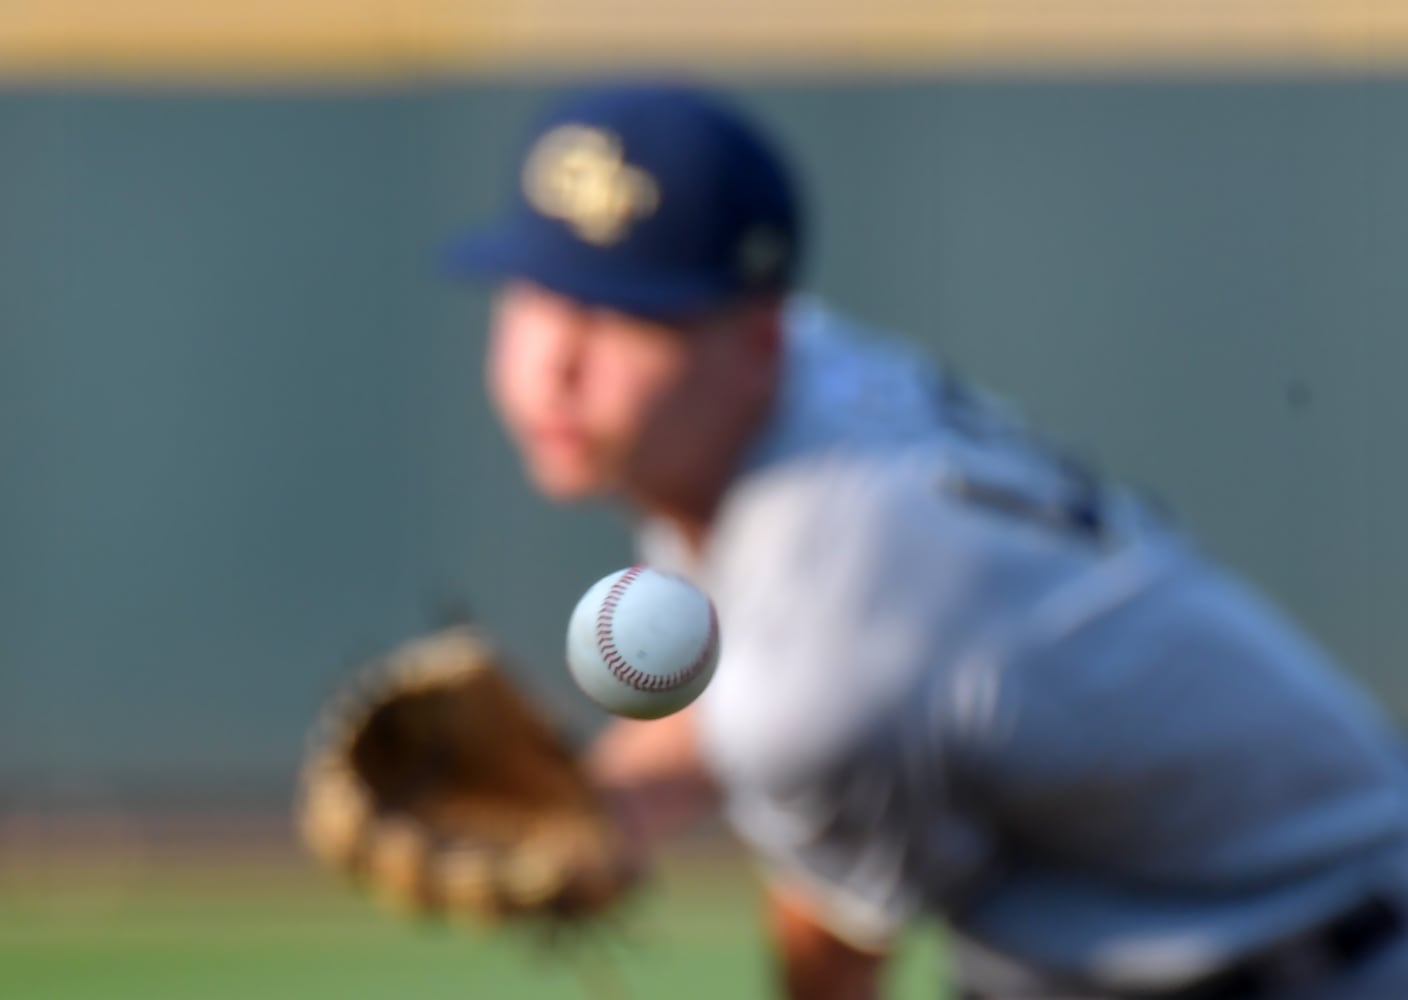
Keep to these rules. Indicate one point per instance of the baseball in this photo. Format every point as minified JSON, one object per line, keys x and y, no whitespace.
{"x":643,"y":643}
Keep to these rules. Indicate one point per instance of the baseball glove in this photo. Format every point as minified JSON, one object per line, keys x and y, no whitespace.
{"x":439,"y":785}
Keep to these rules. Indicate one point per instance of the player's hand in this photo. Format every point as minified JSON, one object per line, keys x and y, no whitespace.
{"x":815,"y":963}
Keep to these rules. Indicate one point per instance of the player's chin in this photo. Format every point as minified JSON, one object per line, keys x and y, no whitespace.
{"x":566,"y":481}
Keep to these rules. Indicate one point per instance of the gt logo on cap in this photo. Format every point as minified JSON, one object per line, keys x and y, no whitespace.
{"x":579,"y":175}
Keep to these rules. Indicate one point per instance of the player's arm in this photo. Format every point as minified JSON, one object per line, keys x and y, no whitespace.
{"x":655,"y":774}
{"x":815,"y":963}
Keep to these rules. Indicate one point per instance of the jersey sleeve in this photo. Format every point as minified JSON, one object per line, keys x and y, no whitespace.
{"x":851,"y":882}
{"x":846,"y":603}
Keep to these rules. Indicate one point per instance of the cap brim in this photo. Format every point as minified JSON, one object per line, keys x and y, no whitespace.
{"x":505,"y":251}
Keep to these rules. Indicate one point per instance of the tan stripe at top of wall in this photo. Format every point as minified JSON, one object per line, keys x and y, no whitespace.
{"x":255,"y":39}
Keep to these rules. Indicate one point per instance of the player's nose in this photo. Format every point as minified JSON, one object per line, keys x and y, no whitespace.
{"x":561,"y":354}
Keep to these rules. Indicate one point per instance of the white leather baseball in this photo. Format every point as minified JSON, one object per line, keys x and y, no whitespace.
{"x":643,"y":643}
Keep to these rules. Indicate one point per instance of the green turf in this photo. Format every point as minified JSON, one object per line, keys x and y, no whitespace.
{"x":264,"y":932}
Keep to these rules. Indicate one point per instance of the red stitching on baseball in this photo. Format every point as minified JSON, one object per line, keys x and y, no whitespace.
{"x":617,"y":663}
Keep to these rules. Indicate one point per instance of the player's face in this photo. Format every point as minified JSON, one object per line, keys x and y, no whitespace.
{"x":599,"y":402}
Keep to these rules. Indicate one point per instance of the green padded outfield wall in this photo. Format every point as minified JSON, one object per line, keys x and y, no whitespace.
{"x":243,"y":442}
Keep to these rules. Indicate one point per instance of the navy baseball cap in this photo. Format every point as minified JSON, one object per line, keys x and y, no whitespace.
{"x":657,"y":200}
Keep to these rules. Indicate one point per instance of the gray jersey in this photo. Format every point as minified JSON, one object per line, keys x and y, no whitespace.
{"x":960,"y":676}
